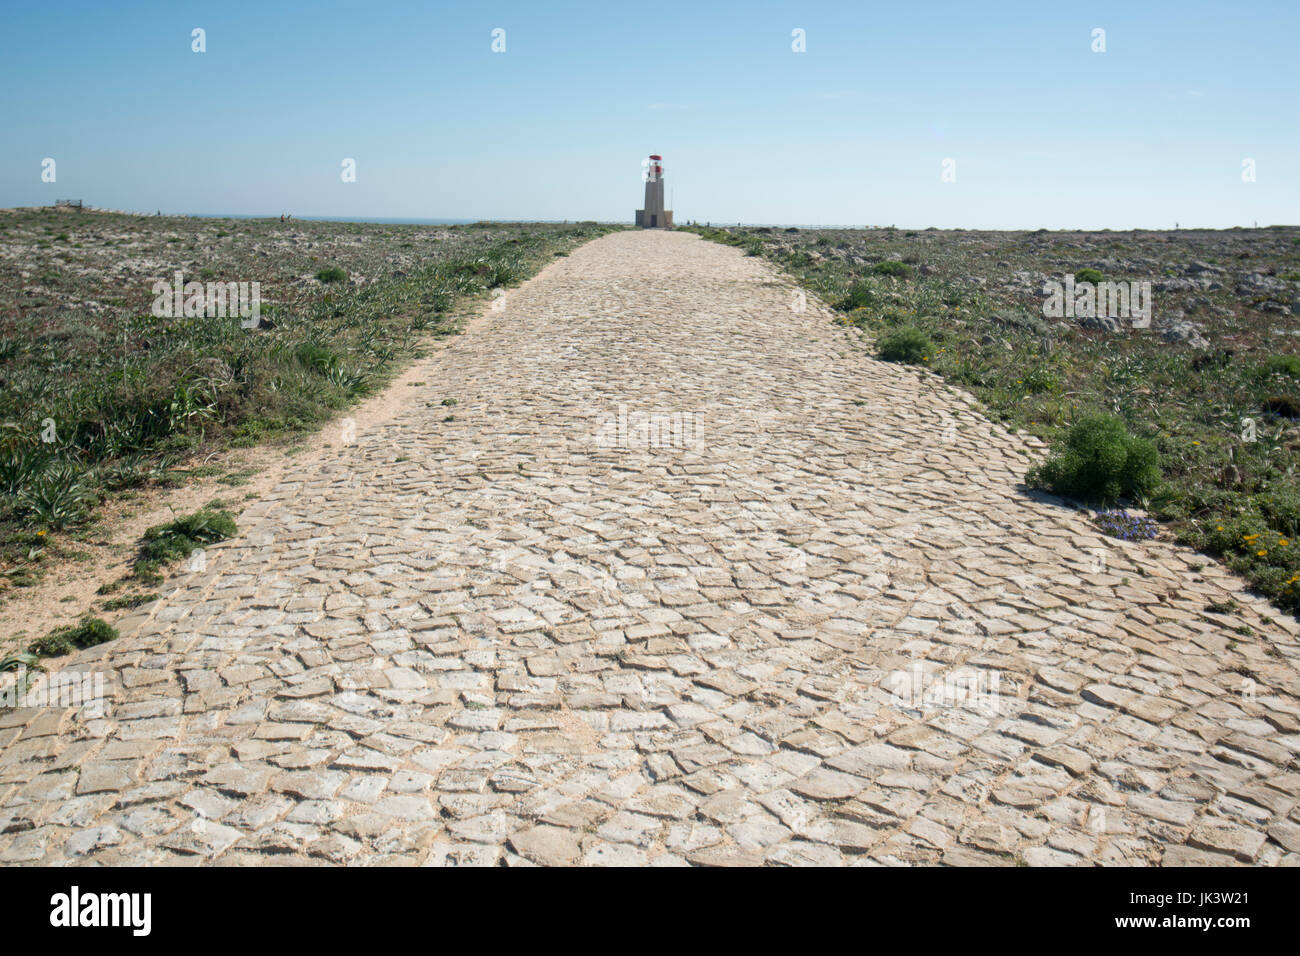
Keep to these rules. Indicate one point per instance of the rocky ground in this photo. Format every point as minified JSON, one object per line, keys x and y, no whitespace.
{"x":106,"y":401}
{"x":1231,"y":286}
{"x":94,"y":264}
{"x":1212,"y":381}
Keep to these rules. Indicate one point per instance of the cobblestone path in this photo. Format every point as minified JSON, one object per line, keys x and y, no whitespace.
{"x":683,"y":576}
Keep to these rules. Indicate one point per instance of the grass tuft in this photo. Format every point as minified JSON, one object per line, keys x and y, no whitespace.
{"x":165,"y":543}
{"x":64,"y":640}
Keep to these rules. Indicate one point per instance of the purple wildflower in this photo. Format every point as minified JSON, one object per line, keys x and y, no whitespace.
{"x":1120,"y":524}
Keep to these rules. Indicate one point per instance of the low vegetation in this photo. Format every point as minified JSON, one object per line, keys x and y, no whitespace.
{"x":64,"y":640}
{"x":165,"y":543}
{"x":905,"y":344}
{"x":1098,"y":461}
{"x":99,"y":395}
{"x":1218,"y":407}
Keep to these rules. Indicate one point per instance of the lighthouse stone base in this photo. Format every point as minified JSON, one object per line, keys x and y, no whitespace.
{"x":654,"y":223}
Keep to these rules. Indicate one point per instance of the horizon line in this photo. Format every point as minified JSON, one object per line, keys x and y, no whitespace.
{"x":436,"y":220}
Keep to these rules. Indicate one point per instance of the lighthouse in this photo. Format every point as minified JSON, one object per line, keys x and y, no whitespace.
{"x":654,"y":215}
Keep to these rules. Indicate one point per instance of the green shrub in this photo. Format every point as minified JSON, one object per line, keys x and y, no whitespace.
{"x":1088,"y":275}
{"x":1100,"y":461}
{"x":1280,"y":506}
{"x":65,"y":640}
{"x":906,"y":344}
{"x":1282,"y":365}
{"x":892,"y":267}
{"x":860,"y":295}
{"x":332,"y":274}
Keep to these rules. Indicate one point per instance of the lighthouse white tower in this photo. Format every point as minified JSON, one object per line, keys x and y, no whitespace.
{"x":654,"y":215}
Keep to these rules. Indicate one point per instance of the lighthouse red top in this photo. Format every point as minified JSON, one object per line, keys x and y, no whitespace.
{"x":655,"y":156}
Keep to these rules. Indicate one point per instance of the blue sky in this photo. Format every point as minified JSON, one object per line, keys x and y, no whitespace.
{"x":1043,"y":131}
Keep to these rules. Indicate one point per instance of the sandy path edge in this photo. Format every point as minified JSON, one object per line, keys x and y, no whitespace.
{"x":69,"y":589}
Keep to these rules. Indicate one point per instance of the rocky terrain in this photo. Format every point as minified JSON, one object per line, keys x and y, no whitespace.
{"x":1210,"y":285}
{"x":1212,"y":380}
{"x":98,"y":264}
{"x":103,"y":398}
